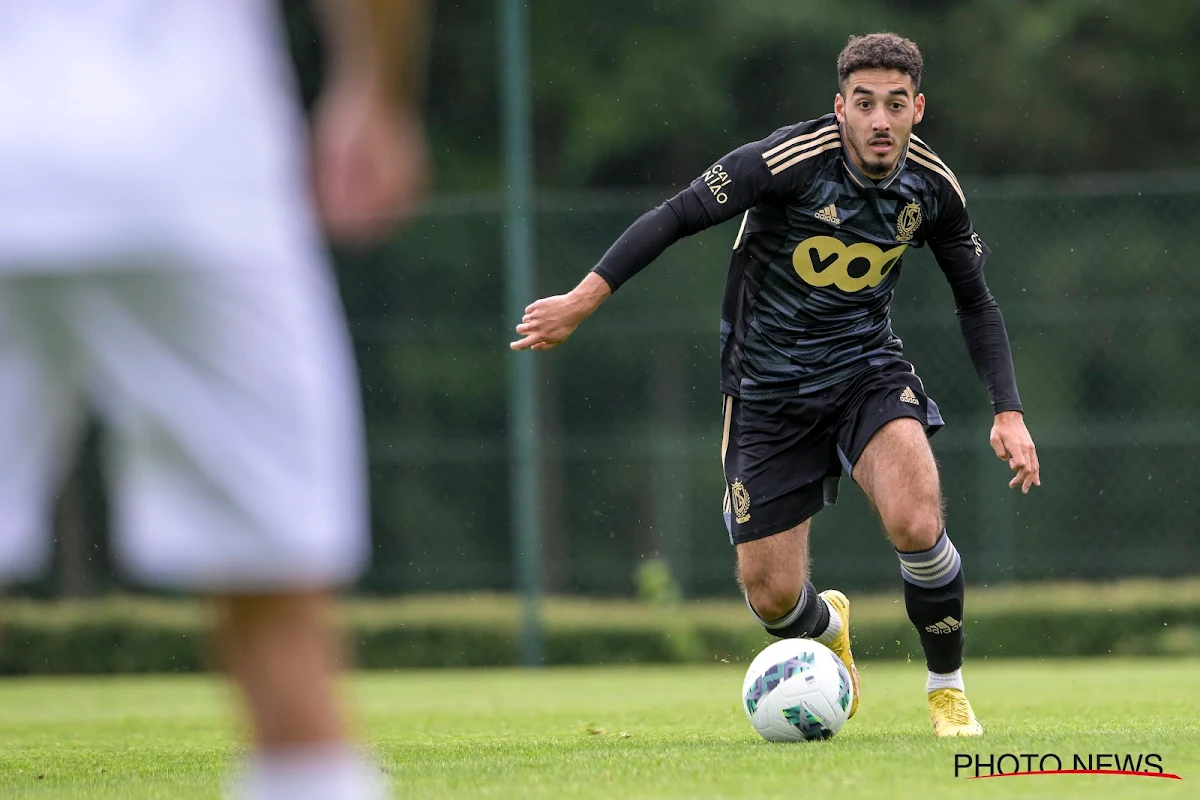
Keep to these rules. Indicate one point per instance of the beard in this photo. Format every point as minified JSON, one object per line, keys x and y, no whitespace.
{"x":872,"y":165}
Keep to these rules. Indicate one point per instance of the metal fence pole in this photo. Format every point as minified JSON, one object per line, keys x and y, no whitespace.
{"x":520,"y":287}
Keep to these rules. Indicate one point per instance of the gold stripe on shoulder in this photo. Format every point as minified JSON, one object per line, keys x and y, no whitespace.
{"x":924,"y":150}
{"x":944,"y":173}
{"x":836,"y":143}
{"x":786,"y":154}
{"x":914,"y":154}
{"x":920,"y":141}
{"x":798,"y":139}
{"x":927,"y":151}
{"x":920,"y":149}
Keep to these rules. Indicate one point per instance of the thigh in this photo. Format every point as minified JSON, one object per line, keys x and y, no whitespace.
{"x":236,"y":441}
{"x":778,"y":457}
{"x":897,"y":470}
{"x":781,"y":559}
{"x":883,"y":440}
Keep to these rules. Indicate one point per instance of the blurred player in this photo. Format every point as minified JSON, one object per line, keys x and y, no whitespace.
{"x":812,"y":374}
{"x":161,"y":258}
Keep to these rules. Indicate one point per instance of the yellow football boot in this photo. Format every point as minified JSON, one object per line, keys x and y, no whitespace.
{"x":952,"y":714}
{"x":841,"y":645}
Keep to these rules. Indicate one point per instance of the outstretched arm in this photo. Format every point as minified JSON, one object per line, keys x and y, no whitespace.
{"x":961,"y":255}
{"x":732,"y":185}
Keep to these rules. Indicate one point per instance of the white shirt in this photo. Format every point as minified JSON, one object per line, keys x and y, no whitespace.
{"x":125,"y":121}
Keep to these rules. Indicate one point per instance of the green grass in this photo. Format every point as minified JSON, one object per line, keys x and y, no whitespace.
{"x":616,"y":733}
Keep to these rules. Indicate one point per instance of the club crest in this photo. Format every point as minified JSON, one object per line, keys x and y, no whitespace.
{"x":908,"y":221}
{"x":741,"y":501}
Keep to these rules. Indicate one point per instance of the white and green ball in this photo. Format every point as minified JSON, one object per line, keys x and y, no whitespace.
{"x":797,"y":690}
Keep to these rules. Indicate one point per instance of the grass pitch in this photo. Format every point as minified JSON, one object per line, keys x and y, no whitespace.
{"x":652,"y":732}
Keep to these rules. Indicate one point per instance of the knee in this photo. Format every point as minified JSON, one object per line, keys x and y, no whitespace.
{"x":770,"y":594}
{"x":915,"y":527}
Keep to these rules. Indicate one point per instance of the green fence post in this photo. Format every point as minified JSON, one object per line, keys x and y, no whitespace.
{"x":520,"y":288}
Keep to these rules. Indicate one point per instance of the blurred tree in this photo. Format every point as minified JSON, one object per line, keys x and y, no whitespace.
{"x":635,"y":93}
{"x":1095,"y":285}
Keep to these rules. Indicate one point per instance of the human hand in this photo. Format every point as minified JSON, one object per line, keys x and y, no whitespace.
{"x":370,"y":159}
{"x":548,"y":322}
{"x":1012,"y":443}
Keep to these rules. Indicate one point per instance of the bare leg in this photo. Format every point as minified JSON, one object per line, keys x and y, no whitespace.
{"x":772,"y":571}
{"x":899,"y":476}
{"x":283,"y":656}
{"x":773,"y":574}
{"x":898,"y":473}
{"x":282,"y":651}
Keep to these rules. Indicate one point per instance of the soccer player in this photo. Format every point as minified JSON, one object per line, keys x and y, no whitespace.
{"x":814,"y":380}
{"x":161,"y":259}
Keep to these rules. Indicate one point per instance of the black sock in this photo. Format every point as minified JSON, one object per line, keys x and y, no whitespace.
{"x":808,"y":618}
{"x":934,"y":594}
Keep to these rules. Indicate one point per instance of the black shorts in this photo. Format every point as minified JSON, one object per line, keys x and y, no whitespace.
{"x":784,"y":458}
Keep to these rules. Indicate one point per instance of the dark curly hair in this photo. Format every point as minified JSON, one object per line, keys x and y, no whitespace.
{"x":880,"y":51}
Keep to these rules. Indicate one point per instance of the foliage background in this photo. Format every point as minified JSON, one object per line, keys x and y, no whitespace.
{"x":1072,"y":126}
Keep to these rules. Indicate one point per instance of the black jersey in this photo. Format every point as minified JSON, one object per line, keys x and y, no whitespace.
{"x":816,"y":259}
{"x":818,"y":254}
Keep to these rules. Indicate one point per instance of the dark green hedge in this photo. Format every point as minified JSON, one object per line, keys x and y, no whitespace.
{"x":130,"y":639}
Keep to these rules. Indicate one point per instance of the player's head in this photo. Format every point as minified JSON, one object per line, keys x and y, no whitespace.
{"x":879,"y":99}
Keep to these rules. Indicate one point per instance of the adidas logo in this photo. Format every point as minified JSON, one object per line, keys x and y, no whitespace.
{"x":947,"y":625}
{"x":909,"y":396}
{"x":828,"y":214}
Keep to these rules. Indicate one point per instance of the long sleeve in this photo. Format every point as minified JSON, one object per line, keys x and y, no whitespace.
{"x":735,"y":183}
{"x":961,"y":254}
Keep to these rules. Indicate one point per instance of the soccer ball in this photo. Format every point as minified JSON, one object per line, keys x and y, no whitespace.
{"x":797,"y":690}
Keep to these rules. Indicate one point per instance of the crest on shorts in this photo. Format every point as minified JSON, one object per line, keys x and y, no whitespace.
{"x":908,"y":221}
{"x":741,"y":501}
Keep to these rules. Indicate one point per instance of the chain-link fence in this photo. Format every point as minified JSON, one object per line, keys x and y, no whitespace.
{"x":1102,"y":303}
{"x":1102,"y":306}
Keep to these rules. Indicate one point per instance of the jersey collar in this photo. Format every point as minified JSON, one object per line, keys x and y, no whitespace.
{"x":860,"y":178}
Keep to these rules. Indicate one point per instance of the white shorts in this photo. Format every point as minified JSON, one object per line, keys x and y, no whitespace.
{"x":227,"y":389}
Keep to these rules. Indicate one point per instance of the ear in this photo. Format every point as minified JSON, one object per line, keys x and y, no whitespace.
{"x":839,"y":107}
{"x":918,"y":108}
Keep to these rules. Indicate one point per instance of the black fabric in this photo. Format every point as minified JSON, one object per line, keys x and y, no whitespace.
{"x":816,"y":260}
{"x":739,"y":181}
{"x":987,"y":343}
{"x":683,"y":215}
{"x":812,"y":620}
{"x":929,"y":607}
{"x":641,"y":243}
{"x":784,"y":457}
{"x":961,"y":255}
